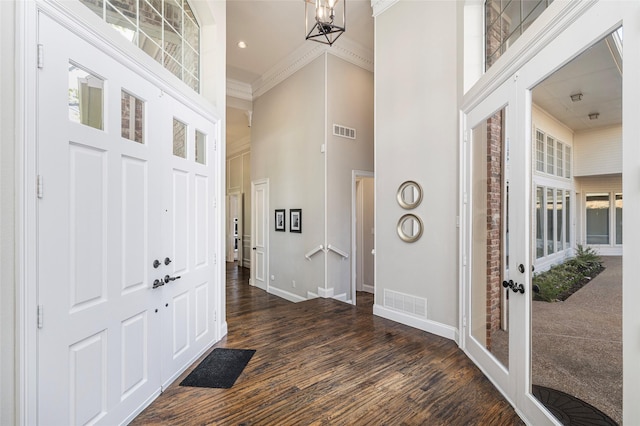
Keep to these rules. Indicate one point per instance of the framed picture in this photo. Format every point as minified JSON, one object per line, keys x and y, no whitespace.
{"x":281,"y":220}
{"x":295,"y":220}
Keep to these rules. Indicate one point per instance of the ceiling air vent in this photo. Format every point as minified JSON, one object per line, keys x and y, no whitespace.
{"x":344,"y":132}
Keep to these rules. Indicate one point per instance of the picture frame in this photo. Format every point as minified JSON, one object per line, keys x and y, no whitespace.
{"x":281,"y":220}
{"x":295,"y":220}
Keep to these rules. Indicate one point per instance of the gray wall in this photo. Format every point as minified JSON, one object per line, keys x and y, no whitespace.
{"x":291,"y":124}
{"x":416,"y":139}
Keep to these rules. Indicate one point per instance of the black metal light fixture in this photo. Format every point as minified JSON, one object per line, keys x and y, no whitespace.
{"x":325,"y":20}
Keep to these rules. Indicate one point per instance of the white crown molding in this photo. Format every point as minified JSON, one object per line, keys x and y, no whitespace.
{"x":345,"y":49}
{"x":238,"y":89}
{"x":380,"y":6}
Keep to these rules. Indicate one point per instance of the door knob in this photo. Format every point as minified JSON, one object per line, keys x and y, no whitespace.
{"x":521,"y":268}
{"x":254,"y":248}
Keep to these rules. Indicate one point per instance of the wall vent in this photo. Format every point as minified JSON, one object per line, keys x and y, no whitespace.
{"x":405,"y":303}
{"x":344,"y":132}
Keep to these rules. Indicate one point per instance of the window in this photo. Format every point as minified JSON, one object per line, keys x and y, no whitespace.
{"x":550,"y":155}
{"x":179,"y":139}
{"x":597,"y":206}
{"x":201,"y":147}
{"x":166,"y":30}
{"x":552,"y":221}
{"x":618,"y":207}
{"x":85,"y":97}
{"x":539,"y":151}
{"x":560,"y":159}
{"x":131,"y":117}
{"x":505,"y":21}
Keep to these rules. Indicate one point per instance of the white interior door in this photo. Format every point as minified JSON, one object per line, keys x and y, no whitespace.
{"x":112,"y":199}
{"x":260,"y":234}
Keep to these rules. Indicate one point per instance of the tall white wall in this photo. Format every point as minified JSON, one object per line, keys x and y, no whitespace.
{"x":598,"y":152}
{"x":350,"y":103}
{"x":417,"y":84}
{"x":7,"y":216}
{"x":287,"y":133}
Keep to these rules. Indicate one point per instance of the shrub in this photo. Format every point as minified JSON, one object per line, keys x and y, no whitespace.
{"x":561,"y":281}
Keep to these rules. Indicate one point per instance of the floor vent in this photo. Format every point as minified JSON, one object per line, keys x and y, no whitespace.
{"x":405,"y":303}
{"x":344,"y":132}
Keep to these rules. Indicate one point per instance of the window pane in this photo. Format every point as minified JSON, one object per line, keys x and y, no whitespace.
{"x":191,"y":60}
{"x":539,"y":151}
{"x":172,"y":44}
{"x":173,"y":66}
{"x":550,"y":155}
{"x":201,"y":147}
{"x":511,"y":18}
{"x":191,"y":81}
{"x":567,"y":162}
{"x":191,"y":32}
{"x":85,"y":97}
{"x":539,"y":224}
{"x":95,"y":6}
{"x":550,"y":210}
{"x":618,"y":218}
{"x":531,"y":11}
{"x":560,"y":155}
{"x":132,"y":117}
{"x":597,"y":206}
{"x":150,"y":47}
{"x":559,"y":219}
{"x":173,"y":14}
{"x":179,"y":138}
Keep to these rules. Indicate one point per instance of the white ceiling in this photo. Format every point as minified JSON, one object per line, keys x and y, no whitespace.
{"x":595,"y":74}
{"x":275,"y":29}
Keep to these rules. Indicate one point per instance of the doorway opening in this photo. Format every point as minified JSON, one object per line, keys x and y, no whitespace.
{"x":576,"y":344}
{"x":363,"y":238}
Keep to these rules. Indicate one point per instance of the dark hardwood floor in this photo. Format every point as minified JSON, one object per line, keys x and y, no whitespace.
{"x":324,"y":362}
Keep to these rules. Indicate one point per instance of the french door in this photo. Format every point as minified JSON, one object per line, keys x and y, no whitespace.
{"x":126,"y":270}
{"x":498,"y":249}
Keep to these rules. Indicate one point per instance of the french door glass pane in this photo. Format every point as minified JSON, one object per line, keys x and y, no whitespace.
{"x":567,"y":216}
{"x":179,"y":139}
{"x":488,"y":303}
{"x":85,"y":97}
{"x":559,"y":219}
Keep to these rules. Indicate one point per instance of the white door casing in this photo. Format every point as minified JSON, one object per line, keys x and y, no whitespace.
{"x":109,"y":341}
{"x":260,"y":234}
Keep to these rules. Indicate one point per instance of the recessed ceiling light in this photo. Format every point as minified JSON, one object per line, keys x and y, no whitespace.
{"x":594,"y":116}
{"x":576,"y":97}
{"x":242,"y":45}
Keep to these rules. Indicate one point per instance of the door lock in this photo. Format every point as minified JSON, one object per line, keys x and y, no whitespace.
{"x":167,"y":261}
{"x":158,"y":283}
{"x":167,"y":278}
{"x":513,"y":286}
{"x":156,"y":263}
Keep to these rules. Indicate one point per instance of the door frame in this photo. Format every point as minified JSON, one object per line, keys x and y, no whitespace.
{"x":355,"y":176}
{"x":79,"y":20}
{"x":231,"y":196}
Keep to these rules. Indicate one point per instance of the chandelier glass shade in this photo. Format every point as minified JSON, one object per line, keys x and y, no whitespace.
{"x":325,"y":20}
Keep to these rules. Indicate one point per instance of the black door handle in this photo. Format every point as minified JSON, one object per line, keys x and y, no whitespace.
{"x":167,"y":278}
{"x":157,"y":283}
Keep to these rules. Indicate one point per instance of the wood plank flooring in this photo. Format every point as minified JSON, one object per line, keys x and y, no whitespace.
{"x":324,"y":362}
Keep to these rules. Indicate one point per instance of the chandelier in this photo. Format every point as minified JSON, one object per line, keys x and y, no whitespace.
{"x":325,"y":20}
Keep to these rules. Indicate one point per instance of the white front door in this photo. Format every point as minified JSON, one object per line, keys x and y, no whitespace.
{"x":260,"y":234}
{"x":113,"y":198}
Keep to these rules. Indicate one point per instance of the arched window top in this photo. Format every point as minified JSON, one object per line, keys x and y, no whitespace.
{"x":166,"y":30}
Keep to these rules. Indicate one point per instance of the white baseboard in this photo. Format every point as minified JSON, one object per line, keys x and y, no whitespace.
{"x":429,"y":326}
{"x":341,"y":297}
{"x":311,"y":295}
{"x":325,"y":292}
{"x":285,"y":295}
{"x":368,"y":288}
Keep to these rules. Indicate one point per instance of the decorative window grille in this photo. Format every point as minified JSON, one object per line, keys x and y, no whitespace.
{"x":166,"y":30}
{"x":539,"y":151}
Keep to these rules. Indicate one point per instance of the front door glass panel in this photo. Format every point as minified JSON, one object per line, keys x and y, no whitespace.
{"x":489,"y":316}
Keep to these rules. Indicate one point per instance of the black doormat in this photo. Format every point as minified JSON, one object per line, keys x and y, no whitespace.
{"x":220,"y":369}
{"x":570,"y":410}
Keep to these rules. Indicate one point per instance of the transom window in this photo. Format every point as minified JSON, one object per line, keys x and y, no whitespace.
{"x":167,"y":30}
{"x":505,"y":21}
